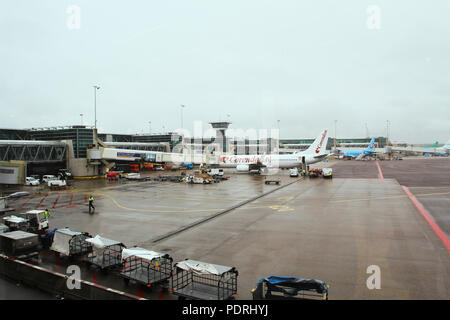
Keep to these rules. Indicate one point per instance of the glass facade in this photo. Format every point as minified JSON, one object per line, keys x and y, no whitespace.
{"x":81,"y":137}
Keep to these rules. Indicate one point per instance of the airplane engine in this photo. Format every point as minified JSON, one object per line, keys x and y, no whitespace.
{"x":242,"y":168}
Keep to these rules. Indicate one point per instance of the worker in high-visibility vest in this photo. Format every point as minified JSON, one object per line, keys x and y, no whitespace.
{"x":91,"y":203}
{"x":47,"y":214}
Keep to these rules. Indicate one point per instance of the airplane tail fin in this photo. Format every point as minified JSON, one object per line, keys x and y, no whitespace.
{"x":371,"y":146}
{"x":436,"y":144}
{"x":320,"y":144}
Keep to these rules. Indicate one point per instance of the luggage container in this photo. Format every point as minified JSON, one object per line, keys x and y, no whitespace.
{"x":20,"y":245}
{"x":3,"y":228}
{"x":146,"y":267}
{"x":106,"y":253}
{"x":290,"y":288}
{"x":71,"y":243}
{"x":15,"y":223}
{"x":204,"y":281}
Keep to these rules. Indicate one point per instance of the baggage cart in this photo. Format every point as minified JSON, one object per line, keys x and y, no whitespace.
{"x":20,"y":245}
{"x":272,"y":180}
{"x":204,"y":281}
{"x":71,"y":243}
{"x":145,"y":266}
{"x":290,"y":288}
{"x":106,"y":253}
{"x":3,"y":228}
{"x":15,"y":223}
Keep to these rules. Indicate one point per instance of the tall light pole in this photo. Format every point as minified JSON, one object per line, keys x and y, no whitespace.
{"x":95,"y":104}
{"x":335,"y":136}
{"x":182,"y":106}
{"x":387,"y":131}
{"x":150,"y":127}
{"x":81,"y":115}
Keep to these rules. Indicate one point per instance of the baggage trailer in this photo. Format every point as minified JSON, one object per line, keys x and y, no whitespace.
{"x":204,"y":281}
{"x":20,"y":245}
{"x":314,"y":173}
{"x":106,"y":253}
{"x":15,"y":223}
{"x":145,"y":266}
{"x":71,"y":243}
{"x":289,"y":288}
{"x":272,"y":180}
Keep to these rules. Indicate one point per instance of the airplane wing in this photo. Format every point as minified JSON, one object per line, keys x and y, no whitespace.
{"x":361,"y":156}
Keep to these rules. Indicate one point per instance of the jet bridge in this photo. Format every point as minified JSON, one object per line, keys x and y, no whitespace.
{"x":32,"y":151}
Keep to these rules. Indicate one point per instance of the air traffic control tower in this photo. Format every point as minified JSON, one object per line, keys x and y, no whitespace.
{"x":220,"y":128}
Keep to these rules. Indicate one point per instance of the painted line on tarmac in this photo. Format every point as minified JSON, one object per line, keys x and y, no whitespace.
{"x":23,"y":204}
{"x":438,"y":231}
{"x":391,"y":197}
{"x":380,"y":172}
{"x":42,"y":200}
{"x":56,"y":201}
{"x":220,"y":213}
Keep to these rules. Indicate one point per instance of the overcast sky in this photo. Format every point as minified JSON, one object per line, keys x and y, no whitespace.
{"x":305,"y":63}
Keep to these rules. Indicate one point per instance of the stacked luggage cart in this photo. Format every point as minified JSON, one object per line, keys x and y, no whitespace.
{"x":145,"y":266}
{"x":204,"y":281}
{"x":106,"y":253}
{"x":71,"y":243}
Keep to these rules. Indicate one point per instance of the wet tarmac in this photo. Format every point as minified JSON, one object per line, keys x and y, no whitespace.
{"x":331,"y":230}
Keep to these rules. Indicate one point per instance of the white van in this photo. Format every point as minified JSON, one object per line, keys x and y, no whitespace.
{"x":215,"y":172}
{"x":293,"y":172}
{"x":48,"y":178}
{"x":30,"y":181}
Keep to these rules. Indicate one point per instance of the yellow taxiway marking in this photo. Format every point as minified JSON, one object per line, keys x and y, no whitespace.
{"x":281,"y":208}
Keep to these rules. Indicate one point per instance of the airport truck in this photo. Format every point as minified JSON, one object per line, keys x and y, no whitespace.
{"x":57,"y":184}
{"x":293,"y":172}
{"x":327,"y":173}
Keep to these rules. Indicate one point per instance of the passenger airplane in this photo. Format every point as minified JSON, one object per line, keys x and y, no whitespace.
{"x":435,"y":145}
{"x":360,"y":153}
{"x":246,"y":163}
{"x":444,"y":150}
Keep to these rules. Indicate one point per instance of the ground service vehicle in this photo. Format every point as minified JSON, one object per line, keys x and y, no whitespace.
{"x":272,"y":180}
{"x":113,"y":175}
{"x":215,"y":172}
{"x":204,"y":281}
{"x":293,"y":172}
{"x":57,"y":184}
{"x":36,"y":220}
{"x":65,"y":174}
{"x":187,"y":165}
{"x":30,"y":181}
{"x":48,"y":177}
{"x":327,"y":173}
{"x":145,"y":266}
{"x":134,"y":168}
{"x":289,"y":288}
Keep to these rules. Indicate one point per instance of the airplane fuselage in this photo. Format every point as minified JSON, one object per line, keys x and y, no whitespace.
{"x":355,"y":153}
{"x":275,"y":161}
